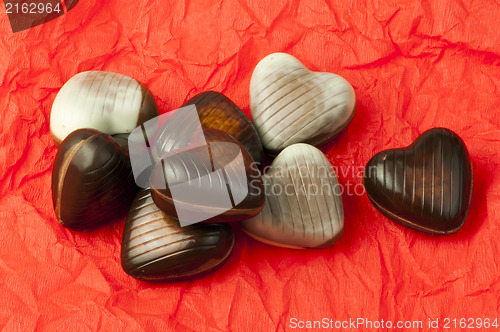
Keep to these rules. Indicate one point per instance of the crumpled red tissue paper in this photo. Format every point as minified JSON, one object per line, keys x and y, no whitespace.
{"x":413,"y":64}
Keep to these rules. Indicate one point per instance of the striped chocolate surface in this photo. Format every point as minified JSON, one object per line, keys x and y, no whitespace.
{"x":155,"y":247}
{"x":216,"y":111}
{"x":426,"y":186}
{"x":303,"y":201}
{"x":109,"y":102}
{"x":92,"y":181}
{"x":213,"y":170}
{"x":291,"y":104}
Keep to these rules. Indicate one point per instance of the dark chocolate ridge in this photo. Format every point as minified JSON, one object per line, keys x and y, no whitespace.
{"x":424,"y":187}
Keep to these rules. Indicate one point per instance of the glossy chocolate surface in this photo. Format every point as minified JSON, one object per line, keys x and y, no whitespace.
{"x":155,"y":247}
{"x":191,"y":164}
{"x":175,"y":133}
{"x":426,"y":186}
{"x":303,"y":201}
{"x":291,"y":104}
{"x":216,"y":111}
{"x":92,"y":181}
{"x":109,"y":102}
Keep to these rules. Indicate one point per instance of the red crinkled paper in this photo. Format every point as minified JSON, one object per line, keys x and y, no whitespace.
{"x":414,"y":65}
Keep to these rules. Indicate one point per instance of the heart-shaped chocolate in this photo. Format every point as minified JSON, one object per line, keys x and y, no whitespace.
{"x":303,"y":201}
{"x":426,"y":186}
{"x":156,"y":247}
{"x":92,"y":180}
{"x":177,"y":129}
{"x":216,"y":182}
{"x":291,"y":104}
{"x":109,"y":102}
{"x":216,"y":111}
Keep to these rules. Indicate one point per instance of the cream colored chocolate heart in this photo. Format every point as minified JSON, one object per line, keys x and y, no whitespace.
{"x":303,"y":201}
{"x":109,"y":102}
{"x":291,"y":104}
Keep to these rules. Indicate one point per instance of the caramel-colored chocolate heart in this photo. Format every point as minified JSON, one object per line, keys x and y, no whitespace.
{"x":291,"y":104}
{"x":426,"y":186}
{"x":109,"y":102}
{"x":303,"y":201}
{"x":92,"y":181}
{"x":155,"y":247}
{"x":216,"y":182}
{"x":216,"y":111}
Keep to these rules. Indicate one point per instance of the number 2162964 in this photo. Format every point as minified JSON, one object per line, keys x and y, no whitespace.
{"x":470,"y":323}
{"x":28,"y":7}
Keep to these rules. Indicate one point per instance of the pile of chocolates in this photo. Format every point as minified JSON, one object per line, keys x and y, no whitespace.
{"x":295,"y":204}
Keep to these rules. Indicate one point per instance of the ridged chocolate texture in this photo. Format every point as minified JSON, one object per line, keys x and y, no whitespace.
{"x":426,"y":186}
{"x":303,"y":201}
{"x":109,"y":102}
{"x":193,"y":164}
{"x":174,"y":133}
{"x":216,"y":111}
{"x":92,"y":181}
{"x":291,"y":104}
{"x":155,"y":247}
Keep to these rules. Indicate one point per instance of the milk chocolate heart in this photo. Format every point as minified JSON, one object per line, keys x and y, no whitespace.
{"x":303,"y":201}
{"x":92,"y":181}
{"x":156,"y":247}
{"x":109,"y":102}
{"x":291,"y":104}
{"x":216,"y":182}
{"x":426,"y":186}
{"x":216,"y":111}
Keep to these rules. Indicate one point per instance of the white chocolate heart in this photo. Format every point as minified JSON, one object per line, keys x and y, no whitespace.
{"x":303,"y":201}
{"x":109,"y":102}
{"x":291,"y":104}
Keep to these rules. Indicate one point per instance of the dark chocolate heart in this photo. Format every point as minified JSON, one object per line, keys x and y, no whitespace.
{"x":223,"y":183}
{"x":216,"y":111}
{"x":92,"y":180}
{"x":156,"y":247}
{"x":426,"y":186}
